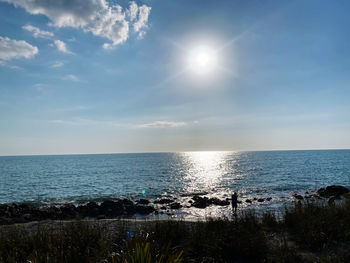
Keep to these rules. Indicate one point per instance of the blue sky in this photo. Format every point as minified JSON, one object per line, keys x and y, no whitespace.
{"x":98,"y":76}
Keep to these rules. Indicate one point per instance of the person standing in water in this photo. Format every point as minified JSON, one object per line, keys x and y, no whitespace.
{"x":234,"y":202}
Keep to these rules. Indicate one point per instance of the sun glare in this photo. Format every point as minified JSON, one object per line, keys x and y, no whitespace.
{"x":202,"y":60}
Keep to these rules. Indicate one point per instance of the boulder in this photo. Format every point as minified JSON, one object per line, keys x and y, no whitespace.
{"x":248,"y":201}
{"x":111,"y":208}
{"x":333,"y":190}
{"x":143,"y":202}
{"x":127,"y":202}
{"x":175,"y":205}
{"x":200,"y":202}
{"x":92,"y":205}
{"x":216,"y":201}
{"x":144,"y":209}
{"x":260,"y":200}
{"x":68,"y":211}
{"x":299,"y":197}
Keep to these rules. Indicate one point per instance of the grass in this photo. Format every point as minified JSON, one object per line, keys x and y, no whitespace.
{"x":307,"y":233}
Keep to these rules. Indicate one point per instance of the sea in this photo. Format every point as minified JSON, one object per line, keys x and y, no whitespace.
{"x":77,"y":179}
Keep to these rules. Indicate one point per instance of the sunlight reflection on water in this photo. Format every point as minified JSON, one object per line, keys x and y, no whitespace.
{"x":205,"y":170}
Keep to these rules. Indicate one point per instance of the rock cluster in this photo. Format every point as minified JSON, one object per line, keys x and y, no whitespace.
{"x":203,"y":202}
{"x":20,"y":213}
{"x":333,"y":190}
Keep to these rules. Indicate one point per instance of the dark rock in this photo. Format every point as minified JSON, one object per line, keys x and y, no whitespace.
{"x":203,"y":202}
{"x":333,"y":190}
{"x":299,"y":197}
{"x":91,"y":209}
{"x":175,"y":205}
{"x":269,"y":199}
{"x":51,"y":212}
{"x":68,"y":211}
{"x":261,"y":200}
{"x":163,"y":208}
{"x":200,"y":202}
{"x":255,"y":198}
{"x":248,"y":201}
{"x":144,"y":209}
{"x":129,"y":208}
{"x":127,"y":202}
{"x":216,"y":201}
{"x":163,"y":201}
{"x":143,"y":202}
{"x":24,"y":207}
{"x":92,"y":205}
{"x":111,"y":208}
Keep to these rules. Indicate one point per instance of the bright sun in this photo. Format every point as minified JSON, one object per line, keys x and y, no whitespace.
{"x":202,"y":60}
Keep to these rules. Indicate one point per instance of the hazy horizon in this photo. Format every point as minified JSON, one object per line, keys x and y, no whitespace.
{"x":188,"y":151}
{"x":171,"y":76}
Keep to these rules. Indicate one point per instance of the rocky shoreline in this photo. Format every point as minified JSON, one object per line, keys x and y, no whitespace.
{"x":124,"y":208}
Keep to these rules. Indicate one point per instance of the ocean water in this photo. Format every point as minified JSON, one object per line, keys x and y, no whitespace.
{"x":261,"y":174}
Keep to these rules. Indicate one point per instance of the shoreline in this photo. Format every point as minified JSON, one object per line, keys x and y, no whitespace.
{"x":153,"y":209}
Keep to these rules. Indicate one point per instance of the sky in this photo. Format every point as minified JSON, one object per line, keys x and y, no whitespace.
{"x":99,"y":76}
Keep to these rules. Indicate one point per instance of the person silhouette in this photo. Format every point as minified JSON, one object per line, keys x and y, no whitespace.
{"x":234,"y":202}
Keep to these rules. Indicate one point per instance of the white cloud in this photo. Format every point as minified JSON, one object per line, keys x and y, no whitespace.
{"x":57,"y":64}
{"x":100,"y":17}
{"x":162,"y":124}
{"x":61,"y":46}
{"x":141,"y":22}
{"x":12,"y":49}
{"x":71,"y":77}
{"x":132,"y":11}
{"x":37,"y":32}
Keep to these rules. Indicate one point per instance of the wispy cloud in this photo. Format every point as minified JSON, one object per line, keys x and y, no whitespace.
{"x":14,"y":49}
{"x":62,"y":47}
{"x":102,"y":18}
{"x":162,"y":124}
{"x":57,"y":64}
{"x":72,"y":77}
{"x":37,"y":32}
{"x":40,"y":86}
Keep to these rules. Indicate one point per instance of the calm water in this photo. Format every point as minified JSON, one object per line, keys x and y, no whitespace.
{"x":79,"y":178}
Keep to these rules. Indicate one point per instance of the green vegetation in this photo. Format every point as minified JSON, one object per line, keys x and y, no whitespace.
{"x":307,"y":232}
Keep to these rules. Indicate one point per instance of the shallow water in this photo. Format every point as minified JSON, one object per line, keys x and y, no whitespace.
{"x":78,"y":178}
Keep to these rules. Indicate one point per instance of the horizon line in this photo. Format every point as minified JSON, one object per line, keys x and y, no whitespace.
{"x":146,"y":152}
